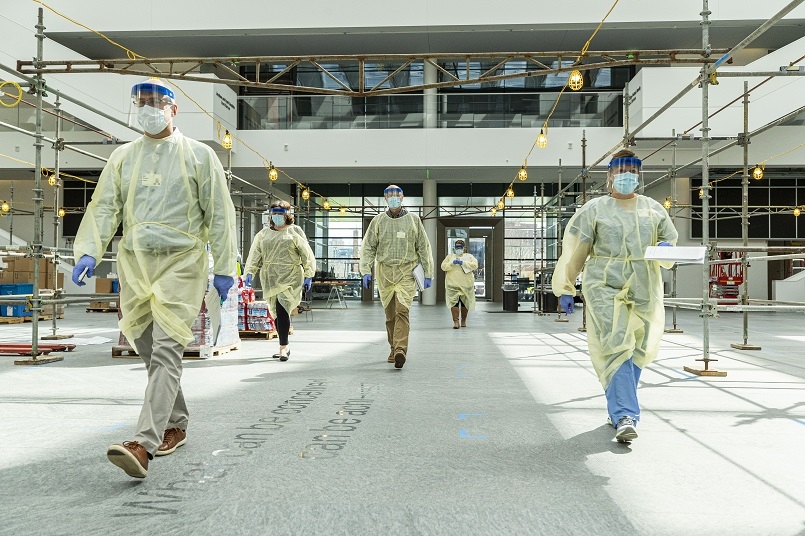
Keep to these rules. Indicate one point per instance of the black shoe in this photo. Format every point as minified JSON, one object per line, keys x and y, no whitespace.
{"x":285,"y":357}
{"x":399,"y":360}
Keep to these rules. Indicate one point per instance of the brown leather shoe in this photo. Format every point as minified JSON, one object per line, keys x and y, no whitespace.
{"x":131,"y":457}
{"x":391,"y":358}
{"x":399,"y":359}
{"x":173,"y":438}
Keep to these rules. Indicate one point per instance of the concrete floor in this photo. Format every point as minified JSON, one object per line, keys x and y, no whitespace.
{"x":498,"y":428}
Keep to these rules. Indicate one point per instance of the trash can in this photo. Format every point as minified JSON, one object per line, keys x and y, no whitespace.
{"x":510,"y":302}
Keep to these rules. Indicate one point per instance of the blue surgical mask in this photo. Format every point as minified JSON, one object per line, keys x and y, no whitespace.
{"x":394,"y":202}
{"x":459,"y":251}
{"x":152,"y":119}
{"x":278,"y":220}
{"x":625,"y":183}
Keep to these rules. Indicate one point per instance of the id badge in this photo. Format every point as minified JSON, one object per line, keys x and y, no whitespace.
{"x":151,"y":179}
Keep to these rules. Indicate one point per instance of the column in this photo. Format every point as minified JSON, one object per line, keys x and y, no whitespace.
{"x":431,"y":76}
{"x":430,"y":211}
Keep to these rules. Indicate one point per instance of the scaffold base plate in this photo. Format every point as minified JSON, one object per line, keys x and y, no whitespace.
{"x":701,"y":372}
{"x":672,"y":330}
{"x":39,"y":361}
{"x":738,"y":346}
{"x":56,"y":337}
{"x":561,"y":320}
{"x":583,"y":330}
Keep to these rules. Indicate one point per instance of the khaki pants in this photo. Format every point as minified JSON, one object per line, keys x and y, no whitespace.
{"x":397,"y":326}
{"x":164,"y":406}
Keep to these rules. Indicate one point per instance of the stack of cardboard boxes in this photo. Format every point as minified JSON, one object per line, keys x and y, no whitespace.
{"x":20,"y":270}
{"x":17,"y":277}
{"x":105,"y":285}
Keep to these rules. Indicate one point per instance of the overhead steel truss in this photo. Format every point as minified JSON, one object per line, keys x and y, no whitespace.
{"x":537,"y":64}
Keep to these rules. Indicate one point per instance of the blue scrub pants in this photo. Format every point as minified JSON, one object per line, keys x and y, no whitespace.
{"x":622,"y":393}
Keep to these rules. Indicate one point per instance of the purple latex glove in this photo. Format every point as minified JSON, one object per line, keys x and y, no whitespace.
{"x":566,"y":303}
{"x":85,"y":263}
{"x":367,"y":280}
{"x":664,"y":243}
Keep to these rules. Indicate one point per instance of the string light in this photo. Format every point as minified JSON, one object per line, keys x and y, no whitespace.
{"x":510,"y":192}
{"x":326,"y":205}
{"x":501,"y":204}
{"x":667,"y":203}
{"x":61,"y":213}
{"x":494,"y":211}
{"x":796,"y":212}
{"x":5,"y":207}
{"x":542,"y":139}
{"x":226,"y":143}
{"x":305,"y":194}
{"x":272,"y":172}
{"x":342,"y":210}
{"x":576,"y":81}
{"x":757,"y":173}
{"x":701,"y":193}
{"x":522,"y":174}
{"x":52,"y":179}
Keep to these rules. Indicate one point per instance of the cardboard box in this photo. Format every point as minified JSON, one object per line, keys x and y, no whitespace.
{"x":102,"y":305}
{"x":6,"y":277}
{"x":47,"y":282}
{"x":25,"y":264}
{"x":9,"y":263}
{"x":105,"y":286}
{"x":23,"y":277}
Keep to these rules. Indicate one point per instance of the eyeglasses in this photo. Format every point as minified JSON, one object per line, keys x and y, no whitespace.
{"x":154,"y":102}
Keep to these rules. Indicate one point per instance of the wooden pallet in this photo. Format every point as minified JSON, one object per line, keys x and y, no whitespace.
{"x":102,"y":310}
{"x":11,"y":319}
{"x":190,"y":353}
{"x":266,"y":335}
{"x":41,"y":317}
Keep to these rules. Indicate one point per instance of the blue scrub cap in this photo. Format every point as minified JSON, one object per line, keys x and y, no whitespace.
{"x":392,"y":191}
{"x":279,"y":210}
{"x":625,"y":161}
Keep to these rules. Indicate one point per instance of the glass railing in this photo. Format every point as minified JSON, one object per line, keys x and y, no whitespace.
{"x":453,"y":110}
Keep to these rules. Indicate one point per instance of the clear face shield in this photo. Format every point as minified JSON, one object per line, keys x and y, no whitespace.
{"x":151,"y":106}
{"x":625,"y":175}
{"x":393,"y":196}
{"x":277,"y":216}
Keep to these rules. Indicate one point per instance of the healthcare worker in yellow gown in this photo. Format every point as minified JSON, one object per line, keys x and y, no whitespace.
{"x":623,"y":292}
{"x":171,"y":196}
{"x":396,"y":240}
{"x":282,"y":256}
{"x":459,"y":282}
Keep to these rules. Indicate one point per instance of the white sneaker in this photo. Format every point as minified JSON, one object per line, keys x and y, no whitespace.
{"x":625,"y":430}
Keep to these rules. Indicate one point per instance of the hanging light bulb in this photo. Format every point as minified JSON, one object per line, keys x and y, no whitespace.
{"x":701,"y":193}
{"x":305,"y":194}
{"x":52,"y":179}
{"x":326,"y":205}
{"x":5,"y":207}
{"x":61,"y":212}
{"x":272,"y":172}
{"x":667,"y":203}
{"x":342,"y":210}
{"x":542,"y":139}
{"x":501,"y":204}
{"x":226,"y":143}
{"x":494,"y":211}
{"x":757,"y":173}
{"x":796,"y":212}
{"x":523,"y":174}
{"x":510,"y":192}
{"x":576,"y":81}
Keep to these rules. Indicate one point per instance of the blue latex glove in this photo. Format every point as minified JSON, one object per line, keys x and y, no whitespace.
{"x":248,"y":280}
{"x":665,"y":244}
{"x":307,"y":283}
{"x":367,"y":279}
{"x":458,"y":261}
{"x":222,"y":284}
{"x":428,"y":282}
{"x":566,"y":303}
{"x":84,"y":263}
